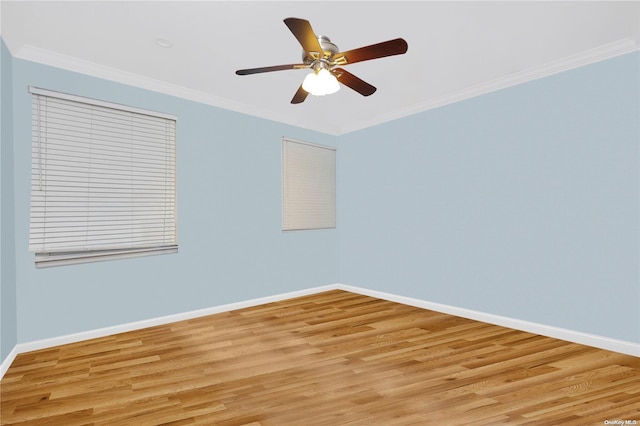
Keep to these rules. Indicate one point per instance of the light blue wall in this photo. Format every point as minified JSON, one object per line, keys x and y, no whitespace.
{"x":523,"y":202}
{"x":229,"y":213}
{"x":8,"y":319}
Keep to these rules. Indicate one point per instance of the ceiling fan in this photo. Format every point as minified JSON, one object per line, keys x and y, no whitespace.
{"x":325,"y":59}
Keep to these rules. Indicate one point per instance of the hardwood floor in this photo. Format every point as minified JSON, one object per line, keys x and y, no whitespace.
{"x":334,"y":358}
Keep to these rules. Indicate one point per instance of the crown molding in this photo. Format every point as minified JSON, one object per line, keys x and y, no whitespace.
{"x":81,"y":66}
{"x":601,"y":53}
{"x":47,"y":57}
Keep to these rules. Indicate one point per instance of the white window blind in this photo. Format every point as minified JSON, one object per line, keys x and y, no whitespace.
{"x":308,"y":186}
{"x":103,"y":181}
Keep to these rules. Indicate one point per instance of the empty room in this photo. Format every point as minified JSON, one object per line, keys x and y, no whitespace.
{"x":320,"y":213}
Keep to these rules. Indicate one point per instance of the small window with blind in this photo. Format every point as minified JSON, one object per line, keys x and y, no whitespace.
{"x":308,"y":186}
{"x":103,"y":183}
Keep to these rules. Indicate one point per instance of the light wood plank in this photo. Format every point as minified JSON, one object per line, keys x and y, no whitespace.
{"x":332,"y":358}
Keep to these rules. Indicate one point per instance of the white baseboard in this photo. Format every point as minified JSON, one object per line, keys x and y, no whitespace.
{"x":4,"y":366}
{"x":621,"y":346}
{"x":137,"y":325}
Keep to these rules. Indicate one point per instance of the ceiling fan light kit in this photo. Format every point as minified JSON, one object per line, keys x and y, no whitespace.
{"x":320,"y":82}
{"x":324,"y":58}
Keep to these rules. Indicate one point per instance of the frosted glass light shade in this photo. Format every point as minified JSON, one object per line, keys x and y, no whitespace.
{"x":320,"y":84}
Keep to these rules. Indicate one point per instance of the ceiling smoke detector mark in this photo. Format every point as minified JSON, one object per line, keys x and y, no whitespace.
{"x":163,"y":42}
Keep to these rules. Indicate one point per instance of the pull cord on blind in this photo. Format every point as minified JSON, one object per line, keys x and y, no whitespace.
{"x":103,"y":181}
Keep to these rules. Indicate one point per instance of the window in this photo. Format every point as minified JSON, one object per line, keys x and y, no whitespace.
{"x":308,"y":186}
{"x":103,"y":182}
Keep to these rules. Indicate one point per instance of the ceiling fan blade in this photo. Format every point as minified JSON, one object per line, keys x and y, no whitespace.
{"x":300,"y":96}
{"x":396,"y":46}
{"x":269,"y":69}
{"x":355,"y":83}
{"x":301,"y":29}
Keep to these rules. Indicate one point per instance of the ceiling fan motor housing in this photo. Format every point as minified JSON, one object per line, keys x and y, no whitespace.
{"x":328,"y":50}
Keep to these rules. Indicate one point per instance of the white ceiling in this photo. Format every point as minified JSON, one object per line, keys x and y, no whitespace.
{"x":456,"y":49}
